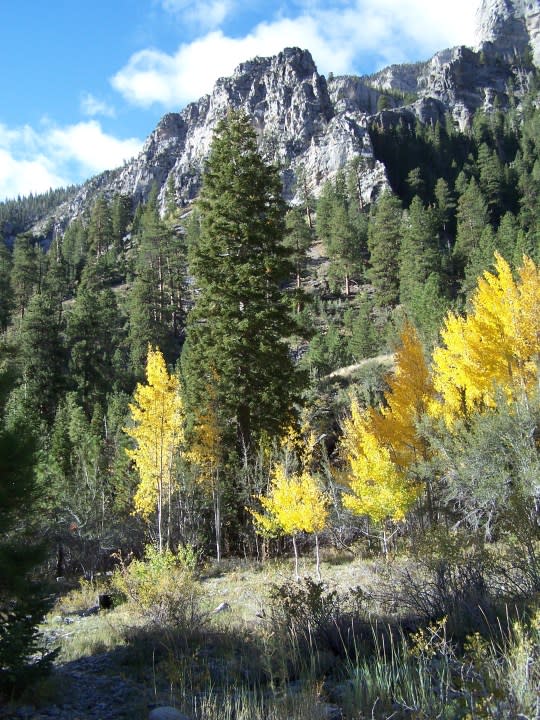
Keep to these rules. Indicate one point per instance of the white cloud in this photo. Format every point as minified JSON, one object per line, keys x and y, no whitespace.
{"x":338,"y":35}
{"x":91,"y":105}
{"x":207,"y":14}
{"x":22,"y":177}
{"x":87,"y":145}
{"x":32,"y":161}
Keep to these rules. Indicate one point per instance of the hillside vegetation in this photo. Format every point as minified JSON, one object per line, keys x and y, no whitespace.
{"x":325,"y":381}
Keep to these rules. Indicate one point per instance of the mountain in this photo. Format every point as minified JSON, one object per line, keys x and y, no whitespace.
{"x":509,"y":27}
{"x":314,"y":126}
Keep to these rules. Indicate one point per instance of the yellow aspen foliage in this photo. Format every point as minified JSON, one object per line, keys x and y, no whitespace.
{"x":206,"y":450}
{"x":494,"y":349}
{"x":294,"y":504}
{"x":299,"y":445}
{"x":379,"y":488}
{"x":409,"y":392}
{"x":206,"y":453}
{"x":379,"y":444}
{"x":157,"y":415}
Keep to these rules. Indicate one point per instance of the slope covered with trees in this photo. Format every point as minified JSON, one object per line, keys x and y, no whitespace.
{"x":247,"y":430}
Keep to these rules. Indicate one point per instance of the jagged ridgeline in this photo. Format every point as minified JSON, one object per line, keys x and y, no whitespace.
{"x":313,"y":126}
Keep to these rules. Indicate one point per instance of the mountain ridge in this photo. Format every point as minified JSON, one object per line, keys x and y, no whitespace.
{"x":314,"y":126}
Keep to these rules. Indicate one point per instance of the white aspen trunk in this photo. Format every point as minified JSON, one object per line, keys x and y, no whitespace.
{"x":160,"y":501}
{"x":217,"y":516}
{"x":297,"y":576}
{"x":317,"y":557}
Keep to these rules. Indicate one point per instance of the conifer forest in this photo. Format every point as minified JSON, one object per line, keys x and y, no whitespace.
{"x":242,"y":380}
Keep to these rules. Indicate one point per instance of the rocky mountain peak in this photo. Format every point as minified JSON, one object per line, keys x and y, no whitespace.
{"x":313,"y":127}
{"x":507,"y":27}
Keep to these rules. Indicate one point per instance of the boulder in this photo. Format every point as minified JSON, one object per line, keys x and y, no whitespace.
{"x":167,"y":713}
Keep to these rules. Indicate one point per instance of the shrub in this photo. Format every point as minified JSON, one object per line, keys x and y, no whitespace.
{"x":311,"y":615}
{"x":163,"y":587}
{"x":451,"y":579}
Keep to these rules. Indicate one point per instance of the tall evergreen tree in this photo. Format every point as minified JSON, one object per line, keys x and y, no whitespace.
{"x":75,"y":250}
{"x":24,"y":273}
{"x":384,"y":241}
{"x":42,"y":356}
{"x":157,"y":294}
{"x":298,"y":239}
{"x":6,"y":300}
{"x":472,"y":218}
{"x":419,"y":253}
{"x":337,"y":230}
{"x":100,"y":227}
{"x":235,"y":332}
{"x":22,"y":604}
{"x":95,"y":336}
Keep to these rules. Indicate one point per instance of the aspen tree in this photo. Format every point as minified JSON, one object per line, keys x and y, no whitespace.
{"x":157,"y":430}
{"x":295,"y":502}
{"x":206,"y":451}
{"x":379,"y":445}
{"x":492,"y":349}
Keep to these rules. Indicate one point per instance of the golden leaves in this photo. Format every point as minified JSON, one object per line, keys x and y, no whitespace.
{"x":494,"y":349}
{"x":157,"y":430}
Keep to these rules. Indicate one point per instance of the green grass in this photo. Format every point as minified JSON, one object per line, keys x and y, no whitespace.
{"x":260,"y":660}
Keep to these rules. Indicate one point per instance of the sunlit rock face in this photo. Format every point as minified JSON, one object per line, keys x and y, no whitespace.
{"x":507,"y":27}
{"x":312,"y":126}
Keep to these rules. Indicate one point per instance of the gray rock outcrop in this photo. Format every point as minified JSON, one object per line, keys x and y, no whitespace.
{"x":313,"y":127}
{"x":507,"y":27}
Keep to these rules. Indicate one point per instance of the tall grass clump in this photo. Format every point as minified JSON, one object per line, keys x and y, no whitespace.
{"x":427,"y":676}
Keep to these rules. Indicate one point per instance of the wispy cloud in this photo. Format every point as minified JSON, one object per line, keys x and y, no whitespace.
{"x":92,"y":106}
{"x":207,"y":14}
{"x":35,"y":160}
{"x":341,"y":35}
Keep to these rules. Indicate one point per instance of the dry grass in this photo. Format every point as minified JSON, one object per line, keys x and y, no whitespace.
{"x":246,"y":585}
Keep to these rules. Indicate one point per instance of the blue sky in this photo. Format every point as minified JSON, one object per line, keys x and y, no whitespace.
{"x":84,"y":83}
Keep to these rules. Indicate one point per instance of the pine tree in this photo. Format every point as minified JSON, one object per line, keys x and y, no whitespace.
{"x":364,"y":341}
{"x":121,"y":217}
{"x":24,"y":273}
{"x":94,"y":337}
{"x":42,"y":356}
{"x":6,"y":301}
{"x":336,"y":229}
{"x":472,"y":218}
{"x":22,"y":603}
{"x":235,"y":332}
{"x":384,"y":242}
{"x":419,"y":254}
{"x":100,"y":228}
{"x":298,"y":239}
{"x":75,"y":250}
{"x":445,"y":206}
{"x":155,"y":305}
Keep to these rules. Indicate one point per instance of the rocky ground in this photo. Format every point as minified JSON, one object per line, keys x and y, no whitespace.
{"x":94,"y":687}
{"x":99,"y":676}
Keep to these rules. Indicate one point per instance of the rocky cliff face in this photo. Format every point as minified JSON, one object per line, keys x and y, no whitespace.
{"x":297,"y":122}
{"x":315,"y":127}
{"x":508,"y":27}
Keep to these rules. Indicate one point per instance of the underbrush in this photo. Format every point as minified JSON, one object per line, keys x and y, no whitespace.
{"x":315,"y":650}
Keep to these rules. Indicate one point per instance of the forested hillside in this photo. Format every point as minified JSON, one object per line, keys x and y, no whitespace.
{"x":172,"y":377}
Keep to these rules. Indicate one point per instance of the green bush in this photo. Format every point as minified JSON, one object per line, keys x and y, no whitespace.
{"x":311,"y":615}
{"x":163,"y":587}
